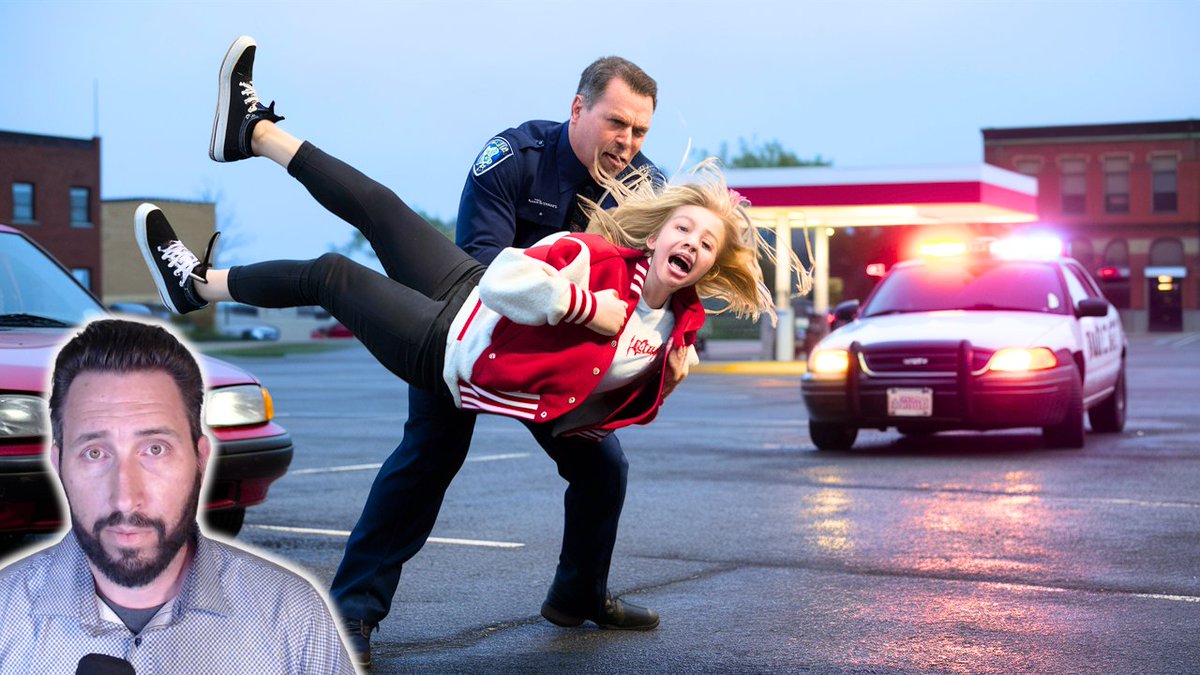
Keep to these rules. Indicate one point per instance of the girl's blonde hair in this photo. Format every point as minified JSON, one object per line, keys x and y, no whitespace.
{"x":643,"y":207}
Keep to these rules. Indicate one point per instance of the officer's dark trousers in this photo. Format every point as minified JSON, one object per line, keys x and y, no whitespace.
{"x":404,"y":325}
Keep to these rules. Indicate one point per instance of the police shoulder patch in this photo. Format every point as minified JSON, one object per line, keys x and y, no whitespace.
{"x":497,"y":150}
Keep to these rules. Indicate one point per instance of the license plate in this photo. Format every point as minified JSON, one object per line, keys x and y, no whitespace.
{"x":914,"y":402}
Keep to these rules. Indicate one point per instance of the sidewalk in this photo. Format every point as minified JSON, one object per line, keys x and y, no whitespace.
{"x":743,"y":357}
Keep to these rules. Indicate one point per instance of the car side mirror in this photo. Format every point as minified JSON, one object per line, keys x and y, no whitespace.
{"x":1092,"y":307}
{"x":844,"y":313}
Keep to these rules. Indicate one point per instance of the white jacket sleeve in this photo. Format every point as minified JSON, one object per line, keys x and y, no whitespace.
{"x":529,"y":291}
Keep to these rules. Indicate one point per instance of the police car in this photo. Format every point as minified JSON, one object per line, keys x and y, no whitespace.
{"x":987,"y":334}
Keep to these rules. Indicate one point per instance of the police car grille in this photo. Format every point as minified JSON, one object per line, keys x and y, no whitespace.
{"x":919,"y":360}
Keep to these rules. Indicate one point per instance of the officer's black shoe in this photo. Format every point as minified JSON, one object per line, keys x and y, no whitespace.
{"x":173,"y":266}
{"x":617,"y":615}
{"x":238,"y":107}
{"x":358,"y":636}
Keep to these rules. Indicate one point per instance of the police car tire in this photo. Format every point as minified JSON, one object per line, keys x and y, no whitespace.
{"x":832,"y":435}
{"x":1108,"y":417}
{"x":1069,"y":432}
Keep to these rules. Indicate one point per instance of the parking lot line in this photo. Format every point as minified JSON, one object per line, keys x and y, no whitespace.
{"x":345,"y":533}
{"x":372,"y":467}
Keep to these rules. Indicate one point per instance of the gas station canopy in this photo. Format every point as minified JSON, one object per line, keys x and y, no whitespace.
{"x":825,"y":199}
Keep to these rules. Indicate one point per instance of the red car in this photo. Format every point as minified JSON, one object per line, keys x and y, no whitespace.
{"x":39,"y":302}
{"x":333,"y":330}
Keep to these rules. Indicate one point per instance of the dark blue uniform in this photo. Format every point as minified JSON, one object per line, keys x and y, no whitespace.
{"x":522,"y":187}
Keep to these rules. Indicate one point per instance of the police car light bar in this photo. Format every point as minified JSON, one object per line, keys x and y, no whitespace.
{"x":1036,"y":247}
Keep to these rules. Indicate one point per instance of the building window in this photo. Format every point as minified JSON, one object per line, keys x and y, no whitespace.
{"x":22,"y":202}
{"x":80,"y":213}
{"x":1114,"y":274}
{"x":1116,"y":185}
{"x":1074,"y":185}
{"x":1116,"y":253}
{"x":1167,"y":252}
{"x":83,"y":275}
{"x":1164,"y":179}
{"x":1029,"y":167}
{"x":1081,"y":250}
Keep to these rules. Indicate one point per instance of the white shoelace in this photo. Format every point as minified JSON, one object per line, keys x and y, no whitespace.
{"x":179,"y":259}
{"x":251,"y":96}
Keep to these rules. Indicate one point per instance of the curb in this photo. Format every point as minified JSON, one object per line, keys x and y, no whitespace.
{"x":751,"y":368}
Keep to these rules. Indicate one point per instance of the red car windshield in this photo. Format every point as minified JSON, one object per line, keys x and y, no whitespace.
{"x":982,"y":286}
{"x":37,"y":293}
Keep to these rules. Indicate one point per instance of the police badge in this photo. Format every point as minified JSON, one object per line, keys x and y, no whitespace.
{"x":497,"y":150}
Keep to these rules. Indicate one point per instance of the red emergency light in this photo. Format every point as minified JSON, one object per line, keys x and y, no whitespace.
{"x":876,"y":269}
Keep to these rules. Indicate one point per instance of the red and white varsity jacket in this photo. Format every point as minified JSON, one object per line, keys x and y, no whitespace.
{"x":520,"y":346}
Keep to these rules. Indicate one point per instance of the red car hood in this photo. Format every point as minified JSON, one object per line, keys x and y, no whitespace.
{"x":26,"y":358}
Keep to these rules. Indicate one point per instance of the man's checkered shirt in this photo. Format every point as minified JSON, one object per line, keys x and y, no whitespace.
{"x":235,"y":613}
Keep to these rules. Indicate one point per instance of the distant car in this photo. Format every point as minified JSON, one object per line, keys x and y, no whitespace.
{"x":39,"y":302}
{"x":262,"y":333}
{"x":333,"y":330}
{"x":987,"y":335}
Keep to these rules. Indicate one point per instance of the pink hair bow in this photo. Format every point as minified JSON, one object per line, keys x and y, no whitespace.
{"x":737,"y":199}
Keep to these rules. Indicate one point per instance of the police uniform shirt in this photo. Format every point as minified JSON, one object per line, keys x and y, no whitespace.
{"x":522,"y":187}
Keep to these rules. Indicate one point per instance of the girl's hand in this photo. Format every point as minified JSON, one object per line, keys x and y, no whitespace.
{"x":677,"y":369}
{"x":611,"y":311}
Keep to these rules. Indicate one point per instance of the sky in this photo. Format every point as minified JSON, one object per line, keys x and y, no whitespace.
{"x":409,"y":92}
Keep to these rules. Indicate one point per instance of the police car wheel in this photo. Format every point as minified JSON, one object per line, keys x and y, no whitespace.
{"x":1108,"y":417}
{"x":1069,"y":432}
{"x":832,"y":435}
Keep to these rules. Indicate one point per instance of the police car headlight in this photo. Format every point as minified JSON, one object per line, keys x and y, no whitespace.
{"x":23,"y":416}
{"x":1015,"y":360}
{"x":829,"y":362}
{"x":239,"y":406}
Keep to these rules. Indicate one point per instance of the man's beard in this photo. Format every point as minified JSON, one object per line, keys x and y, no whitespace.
{"x":129,"y":569}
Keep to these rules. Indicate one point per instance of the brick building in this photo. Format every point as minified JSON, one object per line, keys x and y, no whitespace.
{"x":1126,"y":198}
{"x":50,"y":189}
{"x":125,"y":277}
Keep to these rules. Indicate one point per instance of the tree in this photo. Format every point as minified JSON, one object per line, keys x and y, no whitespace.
{"x":358,"y":244}
{"x":771,"y":153}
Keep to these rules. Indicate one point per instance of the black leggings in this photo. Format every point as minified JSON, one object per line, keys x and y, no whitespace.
{"x":403,"y":318}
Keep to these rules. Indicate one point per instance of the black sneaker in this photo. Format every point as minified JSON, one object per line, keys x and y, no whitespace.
{"x":175,"y":269}
{"x":358,"y":637}
{"x":238,"y":107}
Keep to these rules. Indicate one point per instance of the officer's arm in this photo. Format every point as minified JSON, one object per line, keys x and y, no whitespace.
{"x":487,"y":213}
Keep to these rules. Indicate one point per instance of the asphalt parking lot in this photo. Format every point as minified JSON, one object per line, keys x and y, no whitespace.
{"x":954,"y":553}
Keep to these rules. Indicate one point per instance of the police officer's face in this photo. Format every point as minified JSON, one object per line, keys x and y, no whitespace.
{"x":606,"y":136}
{"x":131,"y":471}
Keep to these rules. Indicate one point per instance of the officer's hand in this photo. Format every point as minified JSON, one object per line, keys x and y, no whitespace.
{"x":677,"y":369}
{"x":610,"y":313}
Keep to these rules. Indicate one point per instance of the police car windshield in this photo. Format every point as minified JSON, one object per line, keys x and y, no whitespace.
{"x":977,"y":285}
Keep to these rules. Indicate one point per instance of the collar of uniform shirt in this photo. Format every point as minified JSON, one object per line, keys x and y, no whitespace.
{"x":572,"y":174}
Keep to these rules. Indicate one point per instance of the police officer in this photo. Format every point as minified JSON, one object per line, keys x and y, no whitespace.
{"x":523,"y":186}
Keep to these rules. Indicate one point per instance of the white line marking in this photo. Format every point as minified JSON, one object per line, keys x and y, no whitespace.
{"x":1057,"y":589}
{"x":336,"y":469}
{"x":1176,"y":598}
{"x":345,"y":533}
{"x":372,"y":467}
{"x":1134,"y":502}
{"x":493,"y":458}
